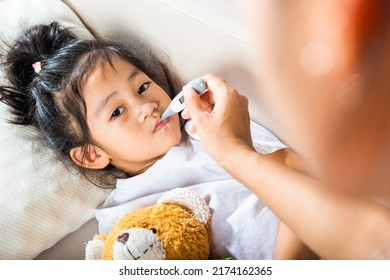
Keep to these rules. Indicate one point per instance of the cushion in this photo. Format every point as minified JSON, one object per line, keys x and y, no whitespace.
{"x":41,"y":200}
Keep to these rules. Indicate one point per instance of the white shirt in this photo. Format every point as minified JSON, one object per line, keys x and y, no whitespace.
{"x":242,"y":226}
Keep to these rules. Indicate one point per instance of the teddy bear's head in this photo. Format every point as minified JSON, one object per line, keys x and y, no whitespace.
{"x":174,"y":228}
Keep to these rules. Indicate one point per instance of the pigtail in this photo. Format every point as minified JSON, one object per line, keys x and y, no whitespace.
{"x":35,"y":46}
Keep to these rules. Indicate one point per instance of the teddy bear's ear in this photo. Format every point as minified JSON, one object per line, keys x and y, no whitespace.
{"x":190,"y":200}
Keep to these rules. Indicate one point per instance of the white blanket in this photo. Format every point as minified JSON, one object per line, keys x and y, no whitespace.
{"x":242,"y":227}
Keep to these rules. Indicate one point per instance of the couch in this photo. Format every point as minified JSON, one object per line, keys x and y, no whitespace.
{"x":47,"y":210}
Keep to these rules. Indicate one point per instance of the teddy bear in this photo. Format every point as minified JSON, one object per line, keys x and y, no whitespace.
{"x":175,"y":228}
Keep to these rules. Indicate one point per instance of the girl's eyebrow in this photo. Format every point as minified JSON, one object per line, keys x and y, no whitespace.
{"x":105,"y":100}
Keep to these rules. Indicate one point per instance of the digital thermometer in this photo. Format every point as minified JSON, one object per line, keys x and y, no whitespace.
{"x":177,"y":104}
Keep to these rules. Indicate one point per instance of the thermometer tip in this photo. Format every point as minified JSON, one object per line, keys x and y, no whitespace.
{"x":168,"y":112}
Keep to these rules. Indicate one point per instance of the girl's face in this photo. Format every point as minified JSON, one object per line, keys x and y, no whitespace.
{"x":123,"y":114}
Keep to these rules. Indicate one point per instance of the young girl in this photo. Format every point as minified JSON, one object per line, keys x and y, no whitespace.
{"x":99,"y":104}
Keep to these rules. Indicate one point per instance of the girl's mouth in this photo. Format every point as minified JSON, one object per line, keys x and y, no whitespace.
{"x":160,"y":124}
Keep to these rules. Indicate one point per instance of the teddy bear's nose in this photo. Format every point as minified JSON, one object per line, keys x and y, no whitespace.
{"x":123,"y":237}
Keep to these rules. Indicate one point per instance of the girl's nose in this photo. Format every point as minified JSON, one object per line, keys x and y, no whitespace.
{"x":146,"y":110}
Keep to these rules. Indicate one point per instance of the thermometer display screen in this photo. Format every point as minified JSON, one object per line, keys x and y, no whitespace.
{"x":181,"y":99}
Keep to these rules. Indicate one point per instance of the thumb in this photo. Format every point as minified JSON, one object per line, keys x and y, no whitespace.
{"x":193,"y":103}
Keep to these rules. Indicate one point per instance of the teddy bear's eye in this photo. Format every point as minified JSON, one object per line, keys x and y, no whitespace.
{"x":153,"y":230}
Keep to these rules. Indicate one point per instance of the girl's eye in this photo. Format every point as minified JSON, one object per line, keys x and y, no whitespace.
{"x":117,"y":112}
{"x":143,"y":87}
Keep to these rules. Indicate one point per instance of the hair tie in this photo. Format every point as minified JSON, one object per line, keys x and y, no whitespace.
{"x":37,"y":67}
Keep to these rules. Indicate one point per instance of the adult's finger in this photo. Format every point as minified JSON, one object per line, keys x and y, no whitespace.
{"x":206,"y":101}
{"x":194,"y":107}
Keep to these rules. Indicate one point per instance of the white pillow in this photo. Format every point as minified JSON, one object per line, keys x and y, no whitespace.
{"x":41,"y":201}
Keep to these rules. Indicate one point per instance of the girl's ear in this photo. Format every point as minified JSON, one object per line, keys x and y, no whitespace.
{"x":94,"y":157}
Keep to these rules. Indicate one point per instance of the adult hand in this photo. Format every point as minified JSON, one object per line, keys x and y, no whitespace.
{"x":220,"y":117}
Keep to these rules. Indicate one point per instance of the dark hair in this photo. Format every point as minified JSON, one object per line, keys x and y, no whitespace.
{"x":52,"y":100}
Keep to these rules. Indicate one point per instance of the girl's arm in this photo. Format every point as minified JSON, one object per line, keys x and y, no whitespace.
{"x":332,"y":224}
{"x":288,"y":245}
